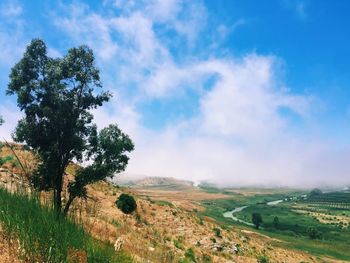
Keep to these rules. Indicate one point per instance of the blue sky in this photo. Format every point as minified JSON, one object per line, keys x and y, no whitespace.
{"x":227,"y":91}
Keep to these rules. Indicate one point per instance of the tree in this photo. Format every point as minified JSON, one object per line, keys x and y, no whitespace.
{"x":217,"y":232}
{"x":257,"y":220}
{"x":276,"y":222}
{"x":126,"y":203}
{"x":313,"y":233}
{"x":56,"y":96}
{"x":315,"y":192}
{"x":108,"y":157}
{"x":1,"y":120}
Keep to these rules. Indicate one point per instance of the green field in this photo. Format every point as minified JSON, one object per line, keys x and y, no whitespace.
{"x":326,"y":213}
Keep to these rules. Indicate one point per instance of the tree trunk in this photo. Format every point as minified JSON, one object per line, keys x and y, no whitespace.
{"x":69,"y":202}
{"x":58,"y":193}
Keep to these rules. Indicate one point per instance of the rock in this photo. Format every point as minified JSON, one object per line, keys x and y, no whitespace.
{"x":151,"y":249}
{"x":118,"y":244}
{"x":235,"y":250}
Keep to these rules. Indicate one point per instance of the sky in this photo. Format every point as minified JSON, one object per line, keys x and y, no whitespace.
{"x":231,"y":92}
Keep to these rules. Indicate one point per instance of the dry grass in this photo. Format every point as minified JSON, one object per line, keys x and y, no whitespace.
{"x":7,"y":250}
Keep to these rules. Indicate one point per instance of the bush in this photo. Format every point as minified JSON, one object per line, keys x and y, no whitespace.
{"x":126,"y":203}
{"x":263,"y":259}
{"x":189,"y":254}
{"x":217,"y":232}
{"x":5,"y":159}
{"x":206,"y":259}
{"x":313,"y":233}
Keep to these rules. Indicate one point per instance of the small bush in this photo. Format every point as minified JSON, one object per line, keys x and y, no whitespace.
{"x":263,"y":259}
{"x":217,"y":232}
{"x":126,"y":203}
{"x":5,"y":159}
{"x":178,"y":244}
{"x":189,"y":254}
{"x":206,"y":259}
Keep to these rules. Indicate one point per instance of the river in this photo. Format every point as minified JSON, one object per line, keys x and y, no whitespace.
{"x":230,"y":214}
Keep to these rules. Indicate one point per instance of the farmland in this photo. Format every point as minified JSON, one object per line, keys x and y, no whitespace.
{"x":327,"y":215}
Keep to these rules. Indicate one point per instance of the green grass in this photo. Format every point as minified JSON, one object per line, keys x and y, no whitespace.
{"x":292,"y":227}
{"x":46,"y":238}
{"x":292,"y":223}
{"x":164,"y":203}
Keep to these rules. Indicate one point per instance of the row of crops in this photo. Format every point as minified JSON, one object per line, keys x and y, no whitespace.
{"x":332,"y":199}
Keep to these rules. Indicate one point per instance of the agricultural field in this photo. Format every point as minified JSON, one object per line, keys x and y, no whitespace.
{"x":318,"y":224}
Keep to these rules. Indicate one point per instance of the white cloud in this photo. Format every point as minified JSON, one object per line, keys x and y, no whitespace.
{"x":238,"y":133}
{"x":11,"y":115}
{"x":92,"y":30}
{"x":11,"y":9}
{"x":12,"y":33}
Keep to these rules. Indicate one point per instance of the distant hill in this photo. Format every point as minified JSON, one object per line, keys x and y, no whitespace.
{"x":153,"y":182}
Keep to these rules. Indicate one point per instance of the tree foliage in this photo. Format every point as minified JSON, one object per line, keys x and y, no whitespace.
{"x":313,"y":233}
{"x":276,"y":222}
{"x":315,"y":192}
{"x":257,"y":220}
{"x":126,"y":203}
{"x":56,"y":96}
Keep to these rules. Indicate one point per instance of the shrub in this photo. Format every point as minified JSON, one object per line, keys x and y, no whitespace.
{"x":206,"y":259}
{"x":217,"y":232}
{"x":313,"y":233}
{"x":5,"y":159}
{"x":189,"y":254}
{"x":126,"y":203}
{"x":263,"y":259}
{"x":178,"y":244}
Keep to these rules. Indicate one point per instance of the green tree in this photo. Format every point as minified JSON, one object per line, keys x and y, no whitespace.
{"x":126,"y":203}
{"x":56,"y":96}
{"x":315,"y":192}
{"x":217,"y":232}
{"x":257,"y":220}
{"x":276,"y":222}
{"x":313,"y":233}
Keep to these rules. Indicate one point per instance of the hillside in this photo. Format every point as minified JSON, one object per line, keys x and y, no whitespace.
{"x":169,"y":225}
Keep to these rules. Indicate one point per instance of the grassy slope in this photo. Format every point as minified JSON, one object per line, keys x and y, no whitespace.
{"x":45,"y":238}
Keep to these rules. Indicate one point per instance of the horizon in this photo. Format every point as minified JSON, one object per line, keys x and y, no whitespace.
{"x":231,"y":92}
